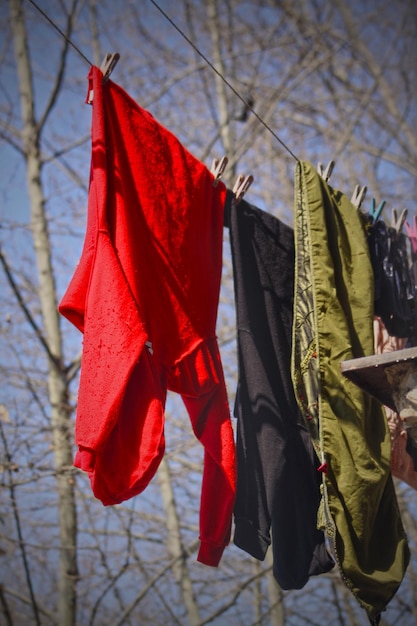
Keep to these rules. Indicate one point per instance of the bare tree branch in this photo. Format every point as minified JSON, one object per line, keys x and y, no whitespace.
{"x":151,"y":583}
{"x":61,"y":68}
{"x":6,"y":610}
{"x":22,"y":545}
{"x":26,"y":311}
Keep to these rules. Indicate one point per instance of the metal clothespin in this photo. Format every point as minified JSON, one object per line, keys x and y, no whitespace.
{"x":397,"y":223}
{"x":148,"y":344}
{"x":358,"y":196}
{"x":375,"y":212}
{"x":242,"y":184}
{"x":109,"y":63}
{"x":217,"y":169}
{"x":326,"y":173}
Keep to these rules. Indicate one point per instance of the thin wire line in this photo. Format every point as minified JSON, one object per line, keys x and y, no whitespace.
{"x":71,"y":43}
{"x":223,"y":79}
{"x":60,"y":31}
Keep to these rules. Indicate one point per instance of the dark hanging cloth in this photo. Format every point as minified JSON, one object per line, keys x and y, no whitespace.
{"x":395,"y":301}
{"x":277,"y":481}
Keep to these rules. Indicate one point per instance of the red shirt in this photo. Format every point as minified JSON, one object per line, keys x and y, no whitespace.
{"x":145,"y":295}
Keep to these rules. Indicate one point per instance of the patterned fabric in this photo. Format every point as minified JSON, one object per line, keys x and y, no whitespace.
{"x":333,"y":315}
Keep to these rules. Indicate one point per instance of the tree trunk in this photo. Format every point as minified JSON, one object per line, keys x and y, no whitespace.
{"x":275,"y":595}
{"x":175,"y":546}
{"x":225,"y":127}
{"x":57,"y":383}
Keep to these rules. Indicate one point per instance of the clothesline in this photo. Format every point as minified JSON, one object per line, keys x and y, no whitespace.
{"x":300,"y":430}
{"x":52,"y":23}
{"x":191,"y":43}
{"x":247,"y":104}
{"x":235,"y":91}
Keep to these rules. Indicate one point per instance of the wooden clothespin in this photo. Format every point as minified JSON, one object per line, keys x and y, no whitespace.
{"x":358,"y":196}
{"x":374,"y":211}
{"x":326,"y":173}
{"x":242,"y":184}
{"x":109,"y":63}
{"x":412,"y":233}
{"x":397,"y":223}
{"x":217,"y":169}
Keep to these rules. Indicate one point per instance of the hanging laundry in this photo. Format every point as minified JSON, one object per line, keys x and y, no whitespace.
{"x":403,"y":448}
{"x":403,"y":381}
{"x":411,"y":231}
{"x":278,"y":486}
{"x":395,"y":297}
{"x":333,"y":317}
{"x":145,"y":295}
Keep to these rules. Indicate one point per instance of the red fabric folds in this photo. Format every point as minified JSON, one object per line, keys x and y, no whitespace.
{"x":145,"y":295}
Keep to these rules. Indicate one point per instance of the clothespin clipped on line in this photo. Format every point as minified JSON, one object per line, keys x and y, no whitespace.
{"x":107,"y":66}
{"x":397,"y":223}
{"x":412,"y":233}
{"x":326,"y":173}
{"x":242,"y":184}
{"x":217,"y":169}
{"x":358,"y":196}
{"x":109,"y":63}
{"x":375,"y":212}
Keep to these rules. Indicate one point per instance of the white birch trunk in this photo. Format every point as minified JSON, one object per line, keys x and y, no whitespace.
{"x":57,"y":383}
{"x":175,"y":545}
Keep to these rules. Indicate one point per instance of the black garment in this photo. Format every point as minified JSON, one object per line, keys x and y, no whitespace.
{"x":395,"y":297}
{"x":277,"y":480}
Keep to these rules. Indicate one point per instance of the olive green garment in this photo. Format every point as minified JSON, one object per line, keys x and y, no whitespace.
{"x":333,"y":315}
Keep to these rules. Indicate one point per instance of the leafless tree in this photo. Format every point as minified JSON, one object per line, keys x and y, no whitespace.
{"x":264,"y":83}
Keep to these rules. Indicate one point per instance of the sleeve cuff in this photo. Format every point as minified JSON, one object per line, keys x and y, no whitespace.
{"x":209,"y":554}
